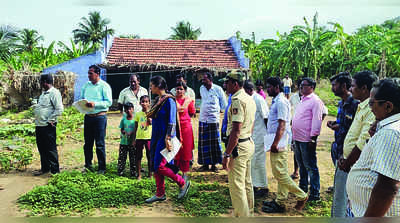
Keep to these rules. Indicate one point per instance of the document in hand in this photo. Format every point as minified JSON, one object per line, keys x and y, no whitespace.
{"x":269,"y":139}
{"x":81,"y":106}
{"x":169,"y":155}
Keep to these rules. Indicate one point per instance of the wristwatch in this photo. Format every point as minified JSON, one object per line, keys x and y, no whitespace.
{"x":226,"y":155}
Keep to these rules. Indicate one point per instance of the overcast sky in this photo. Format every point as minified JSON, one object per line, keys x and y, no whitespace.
{"x":217,"y":19}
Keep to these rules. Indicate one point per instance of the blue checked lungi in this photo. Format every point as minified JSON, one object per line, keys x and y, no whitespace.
{"x":210,"y":149}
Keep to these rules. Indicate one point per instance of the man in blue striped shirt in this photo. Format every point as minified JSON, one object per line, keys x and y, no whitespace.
{"x":98,"y":94}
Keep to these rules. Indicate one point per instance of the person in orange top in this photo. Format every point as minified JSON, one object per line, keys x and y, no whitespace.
{"x":186,"y":110}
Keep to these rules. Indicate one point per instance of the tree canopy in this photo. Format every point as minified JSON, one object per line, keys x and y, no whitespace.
{"x":92,"y":30}
{"x":320,"y":51}
{"x":184,"y":31}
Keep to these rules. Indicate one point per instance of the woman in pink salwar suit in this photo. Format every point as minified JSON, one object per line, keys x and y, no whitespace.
{"x":186,"y":110}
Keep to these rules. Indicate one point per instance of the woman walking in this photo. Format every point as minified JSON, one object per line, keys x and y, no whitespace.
{"x":164,"y":119}
{"x":186,"y":110}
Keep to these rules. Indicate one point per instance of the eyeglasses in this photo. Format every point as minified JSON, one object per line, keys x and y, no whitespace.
{"x":371,"y":102}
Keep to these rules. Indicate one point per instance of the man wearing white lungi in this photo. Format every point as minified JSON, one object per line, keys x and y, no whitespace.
{"x":258,"y":168}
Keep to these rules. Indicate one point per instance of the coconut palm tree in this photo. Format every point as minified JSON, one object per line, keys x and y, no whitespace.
{"x":92,"y":30}
{"x":184,"y":31}
{"x":8,"y":41}
{"x":29,"y":38}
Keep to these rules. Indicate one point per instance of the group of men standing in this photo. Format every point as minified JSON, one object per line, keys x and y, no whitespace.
{"x":247,"y":120}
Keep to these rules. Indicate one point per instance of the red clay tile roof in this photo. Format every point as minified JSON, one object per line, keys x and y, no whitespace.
{"x":200,"y":53}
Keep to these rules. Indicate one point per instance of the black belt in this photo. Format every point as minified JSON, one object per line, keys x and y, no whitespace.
{"x":244,"y":140}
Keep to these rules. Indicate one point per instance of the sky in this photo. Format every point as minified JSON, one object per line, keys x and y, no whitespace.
{"x":217,"y":19}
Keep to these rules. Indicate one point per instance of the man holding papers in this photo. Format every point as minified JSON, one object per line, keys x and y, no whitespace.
{"x":98,"y":95}
{"x":279,"y":125}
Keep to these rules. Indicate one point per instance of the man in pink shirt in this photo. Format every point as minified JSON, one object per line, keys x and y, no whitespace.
{"x":306,"y":126}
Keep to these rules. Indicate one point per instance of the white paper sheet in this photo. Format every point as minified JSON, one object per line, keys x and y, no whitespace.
{"x":169,"y":155}
{"x":269,"y":139}
{"x":81,"y":106}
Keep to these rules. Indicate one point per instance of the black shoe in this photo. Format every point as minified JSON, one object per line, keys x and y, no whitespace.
{"x":313,"y":198}
{"x":259,"y":193}
{"x":214,"y":169}
{"x":203,"y":168}
{"x":101,"y":172}
{"x":272,"y":207}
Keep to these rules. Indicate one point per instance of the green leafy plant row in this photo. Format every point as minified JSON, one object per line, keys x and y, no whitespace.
{"x":74,"y":193}
{"x":17,"y":158}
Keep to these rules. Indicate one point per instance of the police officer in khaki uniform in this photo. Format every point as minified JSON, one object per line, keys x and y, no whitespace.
{"x":240,"y":148}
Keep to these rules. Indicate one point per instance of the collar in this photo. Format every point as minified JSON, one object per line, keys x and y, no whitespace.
{"x":277,"y":96}
{"x":308,"y":96}
{"x":349,"y":100}
{"x":238,"y":92}
{"x":364,"y":104}
{"x":48,"y":91}
{"x":97,"y":83}
{"x":388,"y":120}
{"x":212,"y":87}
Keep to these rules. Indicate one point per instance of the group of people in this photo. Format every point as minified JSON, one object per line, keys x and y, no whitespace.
{"x":248,"y":120}
{"x":366,"y":147}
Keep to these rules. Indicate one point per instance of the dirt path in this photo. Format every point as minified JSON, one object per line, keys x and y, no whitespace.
{"x":16,"y":184}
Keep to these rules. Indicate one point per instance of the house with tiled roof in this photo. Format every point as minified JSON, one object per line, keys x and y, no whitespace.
{"x":120,"y":57}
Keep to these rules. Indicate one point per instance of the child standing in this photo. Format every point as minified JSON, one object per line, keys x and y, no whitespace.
{"x":142,"y":135}
{"x":127,"y":126}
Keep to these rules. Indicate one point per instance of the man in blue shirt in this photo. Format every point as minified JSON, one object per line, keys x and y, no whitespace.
{"x":98,"y":94}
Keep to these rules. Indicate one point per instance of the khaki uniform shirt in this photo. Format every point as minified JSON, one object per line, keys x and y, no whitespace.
{"x":49,"y":107}
{"x":243,"y":110}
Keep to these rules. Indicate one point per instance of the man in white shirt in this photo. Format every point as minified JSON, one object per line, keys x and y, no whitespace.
{"x":132,"y":94}
{"x":258,"y":168}
{"x":47,"y":110}
{"x":213,"y":101}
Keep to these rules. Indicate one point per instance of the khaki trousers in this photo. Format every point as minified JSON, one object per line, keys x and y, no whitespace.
{"x":239,"y":177}
{"x":285,"y":183}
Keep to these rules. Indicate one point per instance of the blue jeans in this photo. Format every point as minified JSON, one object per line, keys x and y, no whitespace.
{"x":307,"y":160}
{"x":95,"y":130}
{"x":339,"y":202}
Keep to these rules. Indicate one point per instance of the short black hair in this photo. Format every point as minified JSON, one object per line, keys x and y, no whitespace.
{"x":342,"y":78}
{"x":275,"y":81}
{"x":47,"y":78}
{"x":144,"y":97}
{"x":209,"y":75}
{"x":159,"y":82}
{"x":181,"y":84}
{"x":248,"y":85}
{"x":95,"y":68}
{"x":311,"y":81}
{"x":178,"y":76}
{"x":389,"y":90}
{"x":366,"y":77}
{"x":135,"y":75}
{"x":259,"y":83}
{"x":128,"y":105}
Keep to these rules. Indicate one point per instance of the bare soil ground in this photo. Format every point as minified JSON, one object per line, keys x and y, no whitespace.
{"x":71,"y":156}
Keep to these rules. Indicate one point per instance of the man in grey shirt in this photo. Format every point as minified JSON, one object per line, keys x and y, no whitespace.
{"x":47,"y":110}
